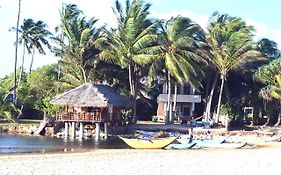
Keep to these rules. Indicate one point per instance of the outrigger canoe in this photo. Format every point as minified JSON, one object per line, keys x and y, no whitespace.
{"x":154,"y":143}
{"x":224,"y":145}
{"x":180,"y":146}
{"x":217,"y":140}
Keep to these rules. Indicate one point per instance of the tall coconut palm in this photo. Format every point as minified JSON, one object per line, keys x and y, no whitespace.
{"x":16,"y":54}
{"x":229,"y":45}
{"x":78,"y":46}
{"x":175,"y":49}
{"x":127,"y":44}
{"x":26,"y":31}
{"x":38,"y":39}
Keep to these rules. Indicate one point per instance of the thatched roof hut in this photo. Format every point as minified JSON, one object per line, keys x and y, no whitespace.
{"x":92,"y":95}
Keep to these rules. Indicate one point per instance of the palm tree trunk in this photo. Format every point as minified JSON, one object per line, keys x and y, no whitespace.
{"x":278,"y":120}
{"x":16,"y":55}
{"x":210,"y":98}
{"x":22,"y":64}
{"x":174,"y":105}
{"x":131,"y":79}
{"x":84,"y":74}
{"x":32,"y":59}
{"x":134,"y":88}
{"x":220,"y":96}
{"x":168,"y":107}
{"x":206,"y":96}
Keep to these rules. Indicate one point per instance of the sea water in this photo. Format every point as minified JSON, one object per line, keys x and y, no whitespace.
{"x":42,"y":144}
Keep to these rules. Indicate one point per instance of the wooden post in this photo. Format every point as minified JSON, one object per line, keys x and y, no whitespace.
{"x":105,"y":131}
{"x":66,"y":130}
{"x":73,"y":130}
{"x":97,"y":131}
{"x":81,"y":134}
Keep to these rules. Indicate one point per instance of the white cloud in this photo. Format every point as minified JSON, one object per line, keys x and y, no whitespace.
{"x":276,"y":34}
{"x":264,"y":31}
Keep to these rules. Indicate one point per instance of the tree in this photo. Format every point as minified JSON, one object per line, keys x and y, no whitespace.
{"x":128,"y":45}
{"x":229,"y":45}
{"x":26,"y":30}
{"x":271,"y":77}
{"x":16,"y":55}
{"x":38,"y":39}
{"x":78,"y":43}
{"x":43,"y":83}
{"x":269,"y":48}
{"x":7,"y":108}
{"x":175,"y":49}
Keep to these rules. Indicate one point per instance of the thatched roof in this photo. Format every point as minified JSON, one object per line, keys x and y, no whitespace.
{"x":92,"y":95}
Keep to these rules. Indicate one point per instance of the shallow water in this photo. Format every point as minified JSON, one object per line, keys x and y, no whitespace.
{"x":41,"y":144}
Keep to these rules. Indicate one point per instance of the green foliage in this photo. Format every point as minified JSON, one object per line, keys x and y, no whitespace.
{"x":77,"y":44}
{"x":226,"y":109}
{"x":127,"y":115}
{"x":7,"y":110}
{"x":42,"y":83}
{"x":154,"y":118}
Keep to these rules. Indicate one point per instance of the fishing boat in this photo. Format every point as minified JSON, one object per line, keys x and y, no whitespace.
{"x":217,"y":140}
{"x":268,"y":144}
{"x":153,"y":143}
{"x":180,"y":146}
{"x":224,"y":145}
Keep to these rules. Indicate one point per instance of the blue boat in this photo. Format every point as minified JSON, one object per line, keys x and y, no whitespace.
{"x":180,"y":146}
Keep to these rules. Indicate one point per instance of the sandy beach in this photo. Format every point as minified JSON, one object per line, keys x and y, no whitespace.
{"x":154,"y":162}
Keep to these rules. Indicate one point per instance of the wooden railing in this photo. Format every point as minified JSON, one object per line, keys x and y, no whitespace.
{"x":81,"y":116}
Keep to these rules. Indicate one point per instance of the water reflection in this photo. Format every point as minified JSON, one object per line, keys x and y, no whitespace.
{"x":29,"y":144}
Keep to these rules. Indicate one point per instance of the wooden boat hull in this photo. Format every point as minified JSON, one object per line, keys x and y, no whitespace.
{"x":269,"y":144}
{"x":157,"y":143}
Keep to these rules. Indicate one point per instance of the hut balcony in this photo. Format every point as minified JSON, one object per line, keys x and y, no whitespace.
{"x":81,"y":116}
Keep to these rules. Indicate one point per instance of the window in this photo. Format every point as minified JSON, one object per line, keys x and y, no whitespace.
{"x":186,"y":90}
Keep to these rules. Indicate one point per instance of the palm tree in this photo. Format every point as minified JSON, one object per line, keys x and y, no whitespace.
{"x":271,"y":77}
{"x":229,"y":45}
{"x":38,"y":39}
{"x":78,"y":42}
{"x":16,"y":55}
{"x":26,"y":30}
{"x":128,"y":44}
{"x":175,"y":49}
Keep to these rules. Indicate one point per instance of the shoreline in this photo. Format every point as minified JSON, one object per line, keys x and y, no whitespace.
{"x":132,"y":161}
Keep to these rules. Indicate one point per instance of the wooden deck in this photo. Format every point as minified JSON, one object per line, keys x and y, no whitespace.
{"x":81,"y":116}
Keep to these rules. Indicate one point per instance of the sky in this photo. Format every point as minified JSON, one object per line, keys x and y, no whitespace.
{"x":263,"y":15}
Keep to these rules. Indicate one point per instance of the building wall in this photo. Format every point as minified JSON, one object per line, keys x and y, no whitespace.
{"x":182,"y":108}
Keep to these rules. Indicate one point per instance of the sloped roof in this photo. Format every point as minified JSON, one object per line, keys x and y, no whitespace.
{"x":92,"y":95}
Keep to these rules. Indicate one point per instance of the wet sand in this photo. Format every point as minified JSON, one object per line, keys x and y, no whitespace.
{"x":129,"y":161}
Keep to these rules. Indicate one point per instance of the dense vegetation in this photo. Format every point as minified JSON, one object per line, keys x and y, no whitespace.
{"x":223,"y":63}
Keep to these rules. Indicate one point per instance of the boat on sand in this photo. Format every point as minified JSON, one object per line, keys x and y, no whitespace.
{"x":224,"y":145}
{"x":153,"y":143}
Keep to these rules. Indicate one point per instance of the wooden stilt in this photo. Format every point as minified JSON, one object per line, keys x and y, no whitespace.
{"x":105,"y":131}
{"x":81,"y":134}
{"x":97,"y":131}
{"x":73,"y":129}
{"x":66,"y":129}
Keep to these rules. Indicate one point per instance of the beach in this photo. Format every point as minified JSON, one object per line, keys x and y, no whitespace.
{"x":148,"y":162}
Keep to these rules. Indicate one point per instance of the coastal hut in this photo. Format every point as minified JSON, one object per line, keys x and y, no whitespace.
{"x":90,"y":104}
